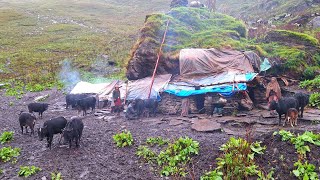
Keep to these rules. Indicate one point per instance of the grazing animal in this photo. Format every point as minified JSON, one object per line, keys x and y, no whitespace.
{"x":27,"y":119}
{"x":196,"y":4}
{"x":71,"y":99}
{"x":303,"y":100}
{"x":38,"y":107}
{"x":86,"y":103}
{"x":73,"y":131}
{"x":151,"y":106}
{"x":283,"y":105}
{"x":291,"y":117}
{"x":139,"y":107}
{"x":51,"y":127}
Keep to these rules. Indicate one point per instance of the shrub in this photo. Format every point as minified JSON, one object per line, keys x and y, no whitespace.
{"x":315,"y":100}
{"x":300,"y":140}
{"x":157,"y":140}
{"x":147,"y":154}
{"x":311,"y":84}
{"x":305,"y":171}
{"x":6,"y":136}
{"x":123,"y":139}
{"x":238,"y":158}
{"x":56,"y":176}
{"x":27,"y":171}
{"x":216,"y":175}
{"x":310,"y":72}
{"x":174,"y":158}
{"x":6,"y":153}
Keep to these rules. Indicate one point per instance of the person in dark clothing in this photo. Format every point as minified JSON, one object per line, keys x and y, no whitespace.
{"x":131,"y":113}
{"x":117,"y":99}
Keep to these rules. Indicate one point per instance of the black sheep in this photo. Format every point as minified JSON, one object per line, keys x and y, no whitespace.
{"x":283,"y":105}
{"x":51,"y":127}
{"x":38,"y":107}
{"x":27,"y":119}
{"x":73,"y":131}
{"x":86,"y":103}
{"x":303,"y":100}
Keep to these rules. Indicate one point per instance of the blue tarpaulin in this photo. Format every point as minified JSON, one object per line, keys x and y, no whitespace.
{"x":226,"y":89}
{"x":265,"y":65}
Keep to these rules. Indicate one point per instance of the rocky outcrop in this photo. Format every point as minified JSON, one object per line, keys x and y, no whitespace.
{"x":291,"y":38}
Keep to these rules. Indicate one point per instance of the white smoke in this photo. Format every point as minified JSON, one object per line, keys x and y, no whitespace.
{"x":68,"y":75}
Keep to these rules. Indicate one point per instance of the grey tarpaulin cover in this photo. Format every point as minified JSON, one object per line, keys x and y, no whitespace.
{"x":204,"y":62}
{"x":139,"y":89}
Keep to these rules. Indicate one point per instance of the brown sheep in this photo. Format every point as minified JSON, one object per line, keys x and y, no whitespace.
{"x":291,"y":116}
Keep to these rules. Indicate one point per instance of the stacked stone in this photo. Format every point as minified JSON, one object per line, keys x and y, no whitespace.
{"x":170,"y":104}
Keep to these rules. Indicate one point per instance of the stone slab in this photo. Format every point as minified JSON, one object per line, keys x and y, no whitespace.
{"x":175,"y":122}
{"x":206,"y":125}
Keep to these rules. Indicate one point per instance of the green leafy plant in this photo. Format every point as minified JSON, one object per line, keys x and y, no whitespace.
{"x":305,"y":171}
{"x":145,"y":153}
{"x":238,"y":158}
{"x":262,"y":176}
{"x":56,"y":176}
{"x":300,"y":140}
{"x":6,"y":136}
{"x":175,"y":157}
{"x":6,"y":153}
{"x":315,"y":100}
{"x":285,"y":135}
{"x":311,"y":84}
{"x":27,"y":171}
{"x":216,"y":175}
{"x":157,"y":140}
{"x":123,"y":139}
{"x":1,"y":171}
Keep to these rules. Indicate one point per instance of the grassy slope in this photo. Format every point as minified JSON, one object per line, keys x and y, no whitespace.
{"x":255,"y":9}
{"x":36,"y":36}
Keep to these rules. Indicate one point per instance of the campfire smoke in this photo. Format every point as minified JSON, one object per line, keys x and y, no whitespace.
{"x":68,"y":75}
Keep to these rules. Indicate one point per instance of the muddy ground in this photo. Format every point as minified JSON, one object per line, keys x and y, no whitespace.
{"x":98,"y":158}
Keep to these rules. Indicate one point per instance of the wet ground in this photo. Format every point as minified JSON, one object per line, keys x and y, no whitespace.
{"x":98,"y":158}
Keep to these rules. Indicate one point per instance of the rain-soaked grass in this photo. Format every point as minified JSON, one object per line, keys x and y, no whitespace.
{"x":36,"y":37}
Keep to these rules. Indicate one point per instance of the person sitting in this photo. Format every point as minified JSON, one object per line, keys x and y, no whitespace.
{"x":218,"y":105}
{"x":131,"y":113}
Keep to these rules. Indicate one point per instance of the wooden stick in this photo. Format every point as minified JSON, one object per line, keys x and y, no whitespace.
{"x":155,"y":68}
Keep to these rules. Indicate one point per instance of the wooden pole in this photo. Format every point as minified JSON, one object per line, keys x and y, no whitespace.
{"x":155,"y":68}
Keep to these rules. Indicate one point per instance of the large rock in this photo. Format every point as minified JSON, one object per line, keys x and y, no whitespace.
{"x":206,"y":125}
{"x":315,"y":22}
{"x":291,"y":38}
{"x":188,"y":27}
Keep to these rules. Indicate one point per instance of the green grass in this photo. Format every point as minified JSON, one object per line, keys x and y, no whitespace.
{"x":193,"y":28}
{"x":36,"y":37}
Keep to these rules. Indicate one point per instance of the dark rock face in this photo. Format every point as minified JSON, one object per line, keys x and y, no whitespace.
{"x":178,"y":3}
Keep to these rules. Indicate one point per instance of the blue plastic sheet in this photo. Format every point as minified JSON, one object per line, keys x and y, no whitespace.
{"x":226,"y":89}
{"x":265,"y":65}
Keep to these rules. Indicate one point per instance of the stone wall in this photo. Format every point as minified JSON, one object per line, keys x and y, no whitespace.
{"x":171,"y":104}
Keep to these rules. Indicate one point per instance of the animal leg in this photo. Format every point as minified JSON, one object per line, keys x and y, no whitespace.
{"x":60,"y":138}
{"x":279,"y":120}
{"x":21,"y":129}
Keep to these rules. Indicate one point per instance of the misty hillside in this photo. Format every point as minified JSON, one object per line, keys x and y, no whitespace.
{"x":98,"y":37}
{"x":276,"y":11}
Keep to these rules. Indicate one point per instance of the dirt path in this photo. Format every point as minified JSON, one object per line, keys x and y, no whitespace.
{"x":97,"y":157}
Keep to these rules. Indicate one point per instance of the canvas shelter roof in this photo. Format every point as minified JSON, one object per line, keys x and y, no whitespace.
{"x":139,"y":89}
{"x":85,"y":87}
{"x":210,"y":62}
{"x":211,"y":70}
